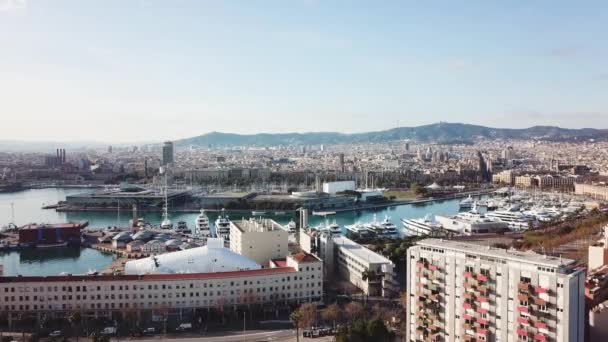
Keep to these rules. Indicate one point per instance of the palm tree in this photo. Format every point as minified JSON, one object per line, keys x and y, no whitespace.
{"x":295,"y":317}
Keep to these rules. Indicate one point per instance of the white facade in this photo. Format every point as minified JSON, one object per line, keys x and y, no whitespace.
{"x":259,"y":239}
{"x":334,"y":187}
{"x":466,"y":292}
{"x":352,"y":261}
{"x":301,"y":280}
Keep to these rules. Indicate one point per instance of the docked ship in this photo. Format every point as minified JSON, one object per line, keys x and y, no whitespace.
{"x":426,"y":226}
{"x":291,"y":227}
{"x":466,"y":203}
{"x":359,"y":229}
{"x":515,"y":219}
{"x":201,"y":226}
{"x":383,"y":229}
{"x":222,"y":226}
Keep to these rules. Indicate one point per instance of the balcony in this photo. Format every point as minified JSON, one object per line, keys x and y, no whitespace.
{"x":540,"y":289}
{"x":523,"y":286}
{"x":522,"y":332}
{"x":480,"y":331}
{"x":433,"y":267}
{"x":540,"y":302}
{"x":482,"y":299}
{"x":523,"y":309}
{"x":481,"y":277}
{"x":540,"y":325}
{"x":523,"y":320}
{"x":482,"y":321}
{"x":419,"y":265}
{"x":467,"y":274}
{"x":482,"y":310}
{"x":522,"y":297}
{"x":540,"y":337}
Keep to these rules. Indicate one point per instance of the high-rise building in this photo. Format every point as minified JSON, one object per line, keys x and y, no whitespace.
{"x":167,"y":152}
{"x":342,"y":162}
{"x":465,"y":292}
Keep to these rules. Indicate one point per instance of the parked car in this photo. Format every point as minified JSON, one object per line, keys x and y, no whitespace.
{"x":109,"y":331}
{"x":149,"y":331}
{"x":184,"y":327}
{"x":56,"y":333}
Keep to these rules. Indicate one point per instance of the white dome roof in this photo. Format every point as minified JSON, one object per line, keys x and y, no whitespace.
{"x":207,"y":259}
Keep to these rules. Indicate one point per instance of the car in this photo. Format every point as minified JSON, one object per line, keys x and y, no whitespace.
{"x":109,"y":331}
{"x":56,"y":333}
{"x":184,"y":327}
{"x":149,"y":331}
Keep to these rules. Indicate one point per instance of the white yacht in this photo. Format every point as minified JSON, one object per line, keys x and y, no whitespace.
{"x":422,"y":226}
{"x":515,"y":219}
{"x":385,"y":228}
{"x":335,"y":229}
{"x":222,"y":226}
{"x":291,"y":227}
{"x":166,"y":223}
{"x":202,"y":225}
{"x":182,"y":227}
{"x":358,"y":228}
{"x":466,"y":203}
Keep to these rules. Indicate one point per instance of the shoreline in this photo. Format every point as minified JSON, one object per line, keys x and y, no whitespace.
{"x":270,"y":212}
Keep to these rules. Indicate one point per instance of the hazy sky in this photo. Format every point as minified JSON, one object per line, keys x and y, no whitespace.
{"x":153,"y":70}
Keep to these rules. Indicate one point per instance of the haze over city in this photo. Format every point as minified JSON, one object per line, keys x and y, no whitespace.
{"x":132,"y":71}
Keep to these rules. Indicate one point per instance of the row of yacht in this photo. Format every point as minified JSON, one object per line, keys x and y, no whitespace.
{"x":516,"y":212}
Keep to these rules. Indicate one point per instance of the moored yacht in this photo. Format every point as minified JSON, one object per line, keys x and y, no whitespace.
{"x":359,"y":229}
{"x":222,"y":226}
{"x":291,"y":227}
{"x":202,"y":225}
{"x":422,"y":226}
{"x":466,"y":203}
{"x":515,"y":219}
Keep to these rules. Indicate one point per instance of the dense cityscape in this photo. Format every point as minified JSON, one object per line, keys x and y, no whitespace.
{"x":303,"y":170}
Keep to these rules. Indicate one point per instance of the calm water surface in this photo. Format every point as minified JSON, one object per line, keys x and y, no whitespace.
{"x":27,"y":209}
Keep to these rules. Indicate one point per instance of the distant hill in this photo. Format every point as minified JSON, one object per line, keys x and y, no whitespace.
{"x":442,"y":132}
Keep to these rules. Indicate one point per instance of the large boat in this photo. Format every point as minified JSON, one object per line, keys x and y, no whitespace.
{"x":390,"y":229}
{"x":201,"y":226}
{"x":334,"y":228}
{"x":182,"y":227}
{"x":426,"y":226}
{"x":466,"y":203}
{"x":222,"y":226}
{"x":515,"y":219}
{"x":258,"y":213}
{"x":291,"y":227}
{"x":359,"y":229}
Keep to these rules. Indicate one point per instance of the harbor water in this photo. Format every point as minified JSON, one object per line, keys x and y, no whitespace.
{"x":26,"y":207}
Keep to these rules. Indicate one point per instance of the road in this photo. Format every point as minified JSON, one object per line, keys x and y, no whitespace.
{"x":288,"y":335}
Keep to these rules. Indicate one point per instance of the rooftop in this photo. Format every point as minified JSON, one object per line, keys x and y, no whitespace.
{"x":360,"y":251}
{"x":81,"y":224}
{"x":256,"y":225}
{"x":512,"y":255}
{"x":303,"y":257}
{"x":148,"y":277}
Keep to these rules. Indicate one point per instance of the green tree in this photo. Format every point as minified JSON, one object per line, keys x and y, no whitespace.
{"x":75,"y":318}
{"x":377,"y":331}
{"x":296,"y":317}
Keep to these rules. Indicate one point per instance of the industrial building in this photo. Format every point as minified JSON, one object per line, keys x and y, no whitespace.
{"x":258,"y":239}
{"x":127,"y":196}
{"x":465,"y":292}
{"x":42,"y":235}
{"x":334,"y":187}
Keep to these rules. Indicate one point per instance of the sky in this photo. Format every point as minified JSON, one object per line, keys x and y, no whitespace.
{"x":145,"y":70}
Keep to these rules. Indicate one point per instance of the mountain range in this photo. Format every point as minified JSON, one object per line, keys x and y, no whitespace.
{"x":443,"y":132}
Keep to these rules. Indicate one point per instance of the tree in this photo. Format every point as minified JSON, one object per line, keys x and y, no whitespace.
{"x":354,"y":311}
{"x":296,"y":317}
{"x":331,"y":313}
{"x":403,"y":299}
{"x":309,"y":314}
{"x":377,"y":331}
{"x":75,"y":318}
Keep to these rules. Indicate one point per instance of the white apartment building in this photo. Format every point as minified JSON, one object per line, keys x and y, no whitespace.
{"x":298,"y":278}
{"x":369,"y":271}
{"x":259,"y":239}
{"x":465,"y":292}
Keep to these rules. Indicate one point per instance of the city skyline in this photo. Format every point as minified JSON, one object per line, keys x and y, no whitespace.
{"x":152,"y":70}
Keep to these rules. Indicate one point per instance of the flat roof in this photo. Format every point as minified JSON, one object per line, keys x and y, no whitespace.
{"x":508,"y":254}
{"x":80,"y":225}
{"x":255,"y":225}
{"x":359,"y":251}
{"x":148,"y":277}
{"x":116,"y":193}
